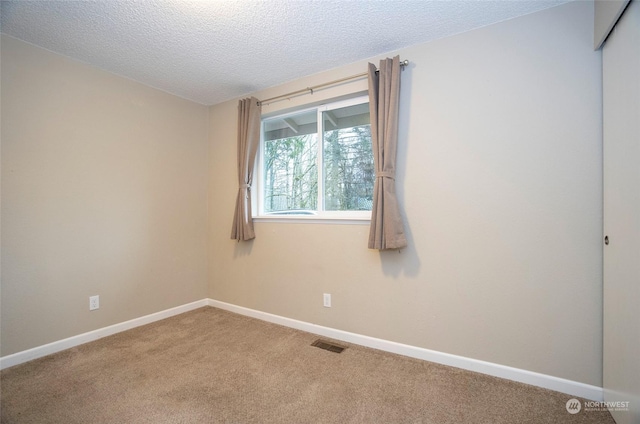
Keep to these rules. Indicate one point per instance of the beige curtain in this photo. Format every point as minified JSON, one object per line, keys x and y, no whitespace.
{"x":248,"y":141}
{"x":386,"y":230}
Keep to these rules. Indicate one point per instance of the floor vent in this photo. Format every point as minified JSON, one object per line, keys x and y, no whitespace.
{"x":323,"y":344}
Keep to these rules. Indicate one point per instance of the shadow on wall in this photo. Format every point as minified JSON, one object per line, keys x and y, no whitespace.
{"x":401,"y":261}
{"x":242,"y":248}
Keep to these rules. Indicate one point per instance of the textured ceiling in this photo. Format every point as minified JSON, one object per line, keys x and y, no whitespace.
{"x":212,"y":51}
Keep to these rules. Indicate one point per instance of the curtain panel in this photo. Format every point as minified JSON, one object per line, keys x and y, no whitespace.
{"x":387,"y":230}
{"x":248,"y":141}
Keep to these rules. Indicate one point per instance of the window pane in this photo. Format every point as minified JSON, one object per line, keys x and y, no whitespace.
{"x":348,"y":159}
{"x":290,"y":164}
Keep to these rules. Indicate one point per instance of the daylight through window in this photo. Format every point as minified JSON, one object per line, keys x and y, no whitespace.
{"x":318,"y":162}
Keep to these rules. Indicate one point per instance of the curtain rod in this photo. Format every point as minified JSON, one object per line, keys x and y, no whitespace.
{"x":310,"y":90}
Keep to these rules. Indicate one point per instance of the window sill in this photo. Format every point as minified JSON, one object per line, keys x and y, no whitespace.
{"x":313,"y":219}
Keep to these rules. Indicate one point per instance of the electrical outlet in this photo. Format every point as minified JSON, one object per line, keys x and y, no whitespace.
{"x":94,"y":303}
{"x":326,"y":297}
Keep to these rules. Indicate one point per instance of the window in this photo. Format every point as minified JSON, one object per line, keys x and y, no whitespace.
{"x":317,"y":162}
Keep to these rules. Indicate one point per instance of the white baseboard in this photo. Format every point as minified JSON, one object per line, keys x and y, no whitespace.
{"x":562,"y":385}
{"x":48,"y":349}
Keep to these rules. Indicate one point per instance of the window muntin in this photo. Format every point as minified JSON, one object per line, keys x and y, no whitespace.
{"x":317,"y":162}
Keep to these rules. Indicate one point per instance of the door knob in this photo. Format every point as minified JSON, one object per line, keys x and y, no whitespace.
{"x":606,"y":240}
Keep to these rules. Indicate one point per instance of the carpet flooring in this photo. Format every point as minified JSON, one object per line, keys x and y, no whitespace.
{"x":213,"y":366}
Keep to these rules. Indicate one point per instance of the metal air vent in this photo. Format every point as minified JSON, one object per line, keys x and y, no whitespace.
{"x":331,"y":347}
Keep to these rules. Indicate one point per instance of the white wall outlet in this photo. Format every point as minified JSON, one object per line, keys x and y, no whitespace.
{"x":326,"y":298}
{"x":94,"y":303}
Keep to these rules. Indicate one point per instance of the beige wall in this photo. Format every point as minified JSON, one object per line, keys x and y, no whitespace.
{"x":104,"y":188}
{"x":500,"y":182}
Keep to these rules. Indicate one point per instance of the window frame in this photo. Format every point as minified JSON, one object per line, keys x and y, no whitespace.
{"x":318,"y":216}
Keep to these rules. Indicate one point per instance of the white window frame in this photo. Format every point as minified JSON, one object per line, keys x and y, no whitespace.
{"x":319,"y":216}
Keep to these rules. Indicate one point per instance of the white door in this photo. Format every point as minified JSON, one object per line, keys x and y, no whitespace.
{"x":621,"y":114}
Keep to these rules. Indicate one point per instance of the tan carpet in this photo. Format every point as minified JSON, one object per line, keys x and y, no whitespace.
{"x":212,"y":366}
